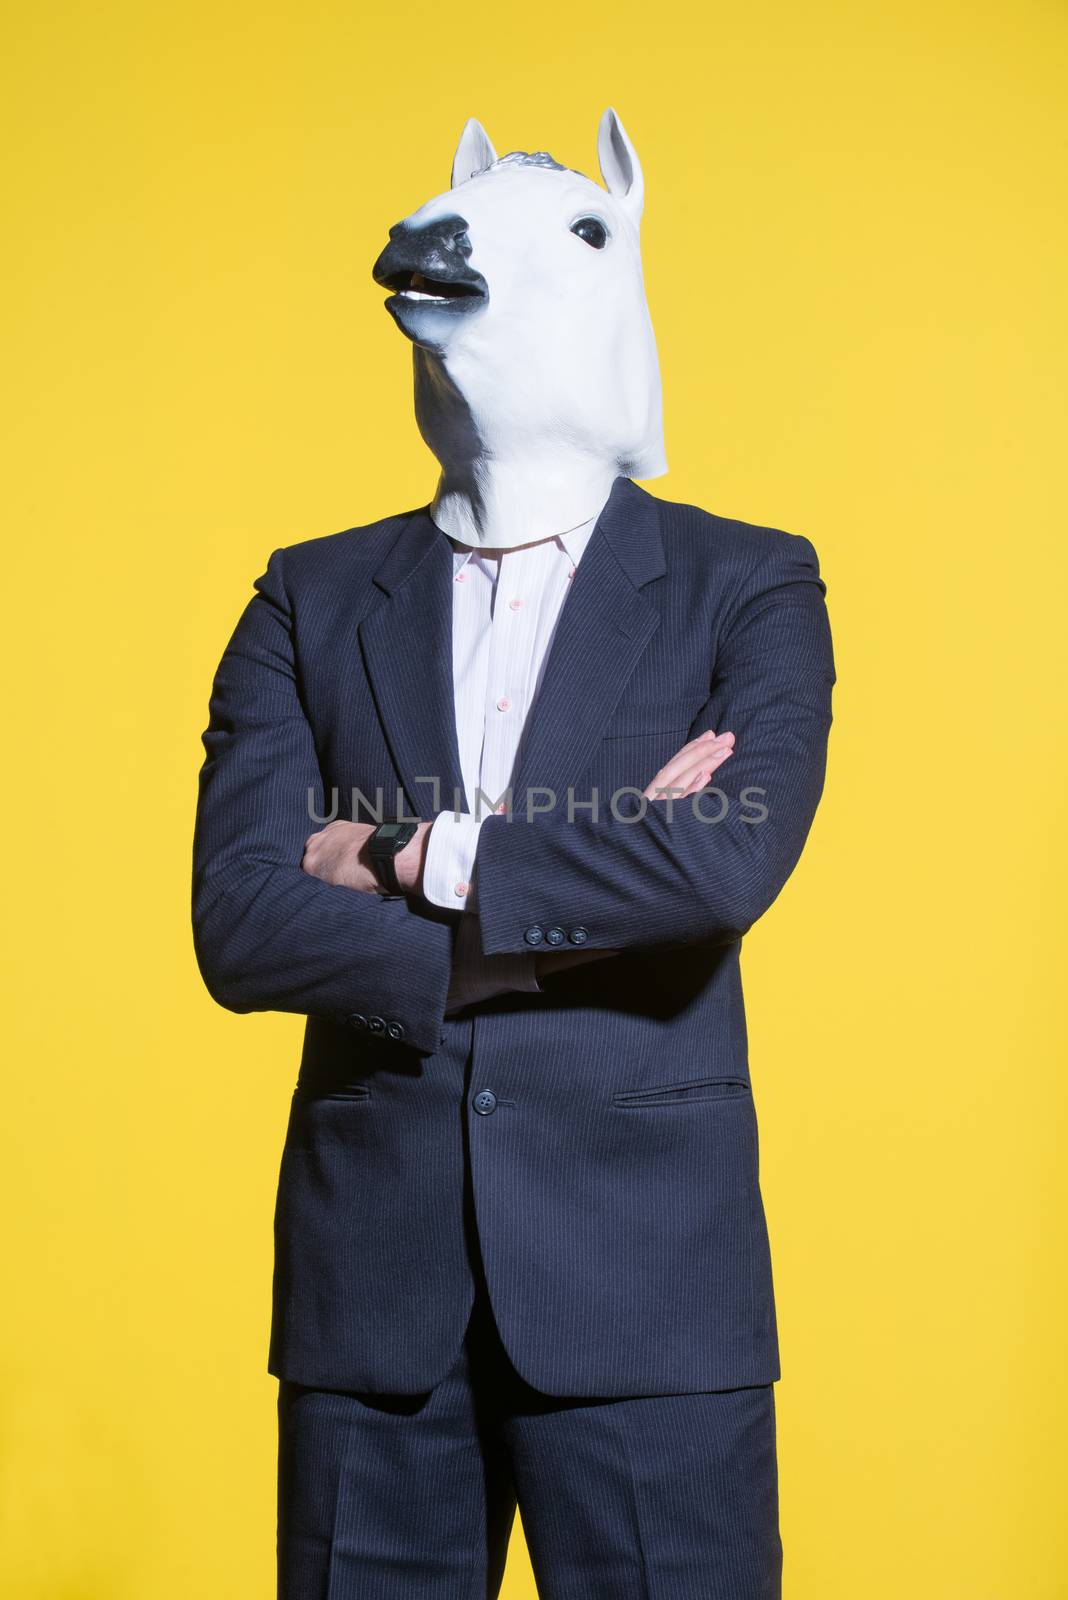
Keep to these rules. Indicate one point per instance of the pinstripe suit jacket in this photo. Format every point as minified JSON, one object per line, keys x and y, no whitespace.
{"x":615,"y":1180}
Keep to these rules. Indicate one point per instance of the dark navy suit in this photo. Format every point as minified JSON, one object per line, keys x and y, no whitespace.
{"x":583,"y":1160}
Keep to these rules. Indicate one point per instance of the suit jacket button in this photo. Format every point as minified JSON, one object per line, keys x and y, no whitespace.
{"x":357,"y":1020}
{"x":395,"y":1030}
{"x":555,"y":936}
{"x":578,"y":935}
{"x":485,"y":1102}
{"x":534,"y":935}
{"x":377,"y":1024}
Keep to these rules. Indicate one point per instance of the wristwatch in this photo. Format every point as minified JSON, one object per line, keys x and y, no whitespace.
{"x":383,"y":847}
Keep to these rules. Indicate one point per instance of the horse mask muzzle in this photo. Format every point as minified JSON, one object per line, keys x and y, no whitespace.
{"x":430,"y":265}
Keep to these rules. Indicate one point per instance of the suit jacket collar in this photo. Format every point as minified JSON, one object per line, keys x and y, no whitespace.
{"x":630,"y":524}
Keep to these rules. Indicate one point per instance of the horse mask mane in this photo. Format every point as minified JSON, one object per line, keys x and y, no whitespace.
{"x":536,"y":374}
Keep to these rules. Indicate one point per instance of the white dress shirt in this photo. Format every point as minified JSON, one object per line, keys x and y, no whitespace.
{"x":505,"y":612}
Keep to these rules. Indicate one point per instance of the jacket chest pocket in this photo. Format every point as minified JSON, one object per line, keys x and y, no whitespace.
{"x":636,"y":742}
{"x":646,"y":719}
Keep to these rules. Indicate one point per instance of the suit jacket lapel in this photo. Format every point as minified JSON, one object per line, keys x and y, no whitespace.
{"x":604,"y":626}
{"x":407,"y":650}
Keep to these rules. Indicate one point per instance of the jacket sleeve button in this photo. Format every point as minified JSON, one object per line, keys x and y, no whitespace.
{"x":555,"y":936}
{"x":395,"y":1030}
{"x":376,"y":1024}
{"x":578,"y":935}
{"x":534,"y":935}
{"x":356,"y":1020}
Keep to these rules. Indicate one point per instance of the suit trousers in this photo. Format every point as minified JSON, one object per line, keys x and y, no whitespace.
{"x":413,"y":1497}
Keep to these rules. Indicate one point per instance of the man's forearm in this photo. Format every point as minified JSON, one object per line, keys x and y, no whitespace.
{"x":270,"y":936}
{"x":703,"y":869}
{"x":274,"y":939}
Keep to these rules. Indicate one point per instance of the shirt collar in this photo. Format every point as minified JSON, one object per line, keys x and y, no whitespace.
{"x":572,"y":544}
{"x":575,"y":540}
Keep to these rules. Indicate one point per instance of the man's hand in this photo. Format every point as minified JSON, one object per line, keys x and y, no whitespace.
{"x":336,"y":854}
{"x":692,"y":767}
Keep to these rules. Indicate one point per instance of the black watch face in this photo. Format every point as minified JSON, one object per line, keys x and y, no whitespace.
{"x":389,"y":830}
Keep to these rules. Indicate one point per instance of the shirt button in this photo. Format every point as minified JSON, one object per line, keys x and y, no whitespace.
{"x":502,"y":807}
{"x":503,"y":703}
{"x":571,"y":574}
{"x":515,"y":605}
{"x":460,"y":888}
{"x":485,"y":1102}
{"x":461,"y":577}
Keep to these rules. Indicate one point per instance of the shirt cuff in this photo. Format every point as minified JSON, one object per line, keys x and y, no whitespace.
{"x":449,"y":864}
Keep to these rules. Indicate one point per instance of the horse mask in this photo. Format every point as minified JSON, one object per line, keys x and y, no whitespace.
{"x":536,"y":374}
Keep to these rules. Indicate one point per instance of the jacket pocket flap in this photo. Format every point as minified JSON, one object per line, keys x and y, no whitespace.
{"x":670,"y":1094}
{"x":651,"y":716}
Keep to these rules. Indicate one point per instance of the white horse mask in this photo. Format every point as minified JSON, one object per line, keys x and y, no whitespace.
{"x":536,"y":374}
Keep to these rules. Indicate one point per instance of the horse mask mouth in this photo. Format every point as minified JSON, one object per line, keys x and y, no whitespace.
{"x":427,"y":268}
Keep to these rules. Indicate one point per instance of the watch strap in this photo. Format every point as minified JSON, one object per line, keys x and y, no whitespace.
{"x":383,"y":854}
{"x":386,"y":867}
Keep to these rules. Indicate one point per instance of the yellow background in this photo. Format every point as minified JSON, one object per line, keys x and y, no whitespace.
{"x":854,"y":243}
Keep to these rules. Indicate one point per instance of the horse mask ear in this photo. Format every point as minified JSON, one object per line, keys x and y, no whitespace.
{"x":620,"y":167}
{"x":474,"y":153}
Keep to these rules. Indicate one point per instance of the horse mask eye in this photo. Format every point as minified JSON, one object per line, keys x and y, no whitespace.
{"x":592,"y":230}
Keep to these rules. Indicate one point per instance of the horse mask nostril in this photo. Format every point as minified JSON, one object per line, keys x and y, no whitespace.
{"x":437,"y":251}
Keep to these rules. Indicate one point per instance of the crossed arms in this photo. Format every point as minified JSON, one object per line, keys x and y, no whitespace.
{"x":272,"y":932}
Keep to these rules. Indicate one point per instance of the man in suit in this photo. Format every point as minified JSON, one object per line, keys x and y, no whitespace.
{"x":521,"y":1251}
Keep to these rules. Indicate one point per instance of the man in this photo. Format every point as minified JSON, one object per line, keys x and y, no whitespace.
{"x":521,"y":1246}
